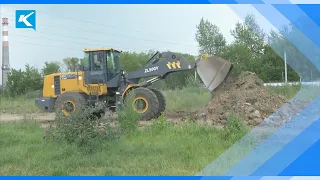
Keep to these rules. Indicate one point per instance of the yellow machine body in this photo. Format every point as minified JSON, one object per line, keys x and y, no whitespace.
{"x":70,"y":85}
{"x":76,"y":83}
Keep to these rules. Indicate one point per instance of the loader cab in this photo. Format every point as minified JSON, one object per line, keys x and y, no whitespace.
{"x":100,"y":65}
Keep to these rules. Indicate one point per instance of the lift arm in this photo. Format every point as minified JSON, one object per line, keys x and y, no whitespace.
{"x":160,"y":65}
{"x":211,"y":69}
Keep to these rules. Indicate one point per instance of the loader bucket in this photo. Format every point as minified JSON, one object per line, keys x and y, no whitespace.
{"x":213,"y":71}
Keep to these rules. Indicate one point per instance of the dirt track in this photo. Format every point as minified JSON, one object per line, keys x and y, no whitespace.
{"x":279,"y":118}
{"x":48,"y":118}
{"x":4,"y":117}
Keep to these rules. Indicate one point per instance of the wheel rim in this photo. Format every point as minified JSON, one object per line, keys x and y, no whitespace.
{"x":140,"y":104}
{"x":68,"y":107}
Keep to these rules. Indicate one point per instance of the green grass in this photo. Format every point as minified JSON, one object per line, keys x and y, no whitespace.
{"x":161,"y":149}
{"x":187,"y":99}
{"x":305,"y":92}
{"x":173,"y":150}
{"x":286,"y":91}
{"x":18,"y":105}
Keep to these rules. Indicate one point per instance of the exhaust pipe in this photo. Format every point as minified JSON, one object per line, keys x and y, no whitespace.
{"x":213,"y":71}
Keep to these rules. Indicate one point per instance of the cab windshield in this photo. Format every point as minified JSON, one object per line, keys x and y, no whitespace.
{"x":113,"y":61}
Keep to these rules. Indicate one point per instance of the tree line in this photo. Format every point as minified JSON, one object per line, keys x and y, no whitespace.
{"x":249,"y":51}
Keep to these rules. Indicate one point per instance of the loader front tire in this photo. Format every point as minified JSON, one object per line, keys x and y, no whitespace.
{"x":145,"y":102}
{"x":69,"y":102}
{"x":162,"y":101}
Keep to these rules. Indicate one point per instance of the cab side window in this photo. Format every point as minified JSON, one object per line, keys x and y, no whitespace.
{"x":97,"y":62}
{"x":86,"y":62}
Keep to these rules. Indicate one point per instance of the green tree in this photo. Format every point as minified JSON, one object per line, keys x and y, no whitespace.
{"x":250,"y":35}
{"x":295,"y":58}
{"x":209,"y":38}
{"x":71,"y":63}
{"x":50,"y":68}
{"x":249,"y":38}
{"x":20,"y":82}
{"x":132,"y":61}
{"x":248,"y":51}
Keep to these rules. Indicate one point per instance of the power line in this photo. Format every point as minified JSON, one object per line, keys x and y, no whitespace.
{"x":103,"y":33}
{"x":78,"y":38}
{"x":89,"y":40}
{"x":58,"y":47}
{"x":51,"y":46}
{"x":73,"y":37}
{"x":90,"y":22}
{"x":57,"y":40}
{"x":43,"y":45}
{"x":95,"y":32}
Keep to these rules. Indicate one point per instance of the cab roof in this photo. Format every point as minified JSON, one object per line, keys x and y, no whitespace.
{"x":99,"y":49}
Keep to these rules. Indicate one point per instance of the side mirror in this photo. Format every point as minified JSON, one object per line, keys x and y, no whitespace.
{"x":122,"y":72}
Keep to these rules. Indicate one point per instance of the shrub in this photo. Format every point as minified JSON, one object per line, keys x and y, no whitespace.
{"x":128,"y":119}
{"x":160,"y":123}
{"x":83,"y":129}
{"x":235,"y":128}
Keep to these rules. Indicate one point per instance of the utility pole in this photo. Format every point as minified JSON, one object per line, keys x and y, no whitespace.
{"x":195,"y":73}
{"x":5,"y":52}
{"x":285,"y":68}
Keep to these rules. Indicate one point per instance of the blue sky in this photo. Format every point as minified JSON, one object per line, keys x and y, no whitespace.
{"x":64,"y":30}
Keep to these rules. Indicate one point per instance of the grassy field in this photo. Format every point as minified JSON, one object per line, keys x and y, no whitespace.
{"x":304,"y":93}
{"x":22,"y":104}
{"x":287,"y":91}
{"x":186,"y":99}
{"x":170,"y":150}
{"x":161,"y":149}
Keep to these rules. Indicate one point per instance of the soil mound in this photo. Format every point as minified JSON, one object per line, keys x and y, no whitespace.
{"x":243,"y":96}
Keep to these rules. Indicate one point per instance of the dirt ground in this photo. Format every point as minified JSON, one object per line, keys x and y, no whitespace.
{"x":245,"y":96}
{"x":46,"y":119}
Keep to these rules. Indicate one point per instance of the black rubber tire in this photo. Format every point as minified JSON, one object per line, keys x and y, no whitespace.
{"x":153,"y":103}
{"x":162,"y":101}
{"x":98,"y":115}
{"x":77,"y":98}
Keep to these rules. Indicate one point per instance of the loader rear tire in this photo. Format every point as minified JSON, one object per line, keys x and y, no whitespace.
{"x":162,"y":101}
{"x":75,"y":100}
{"x":149,"y":100}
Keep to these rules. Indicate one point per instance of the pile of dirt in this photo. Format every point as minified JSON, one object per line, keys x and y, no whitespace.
{"x":243,"y":96}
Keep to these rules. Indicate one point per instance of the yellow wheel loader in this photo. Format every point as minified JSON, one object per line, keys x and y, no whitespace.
{"x":101,"y":81}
